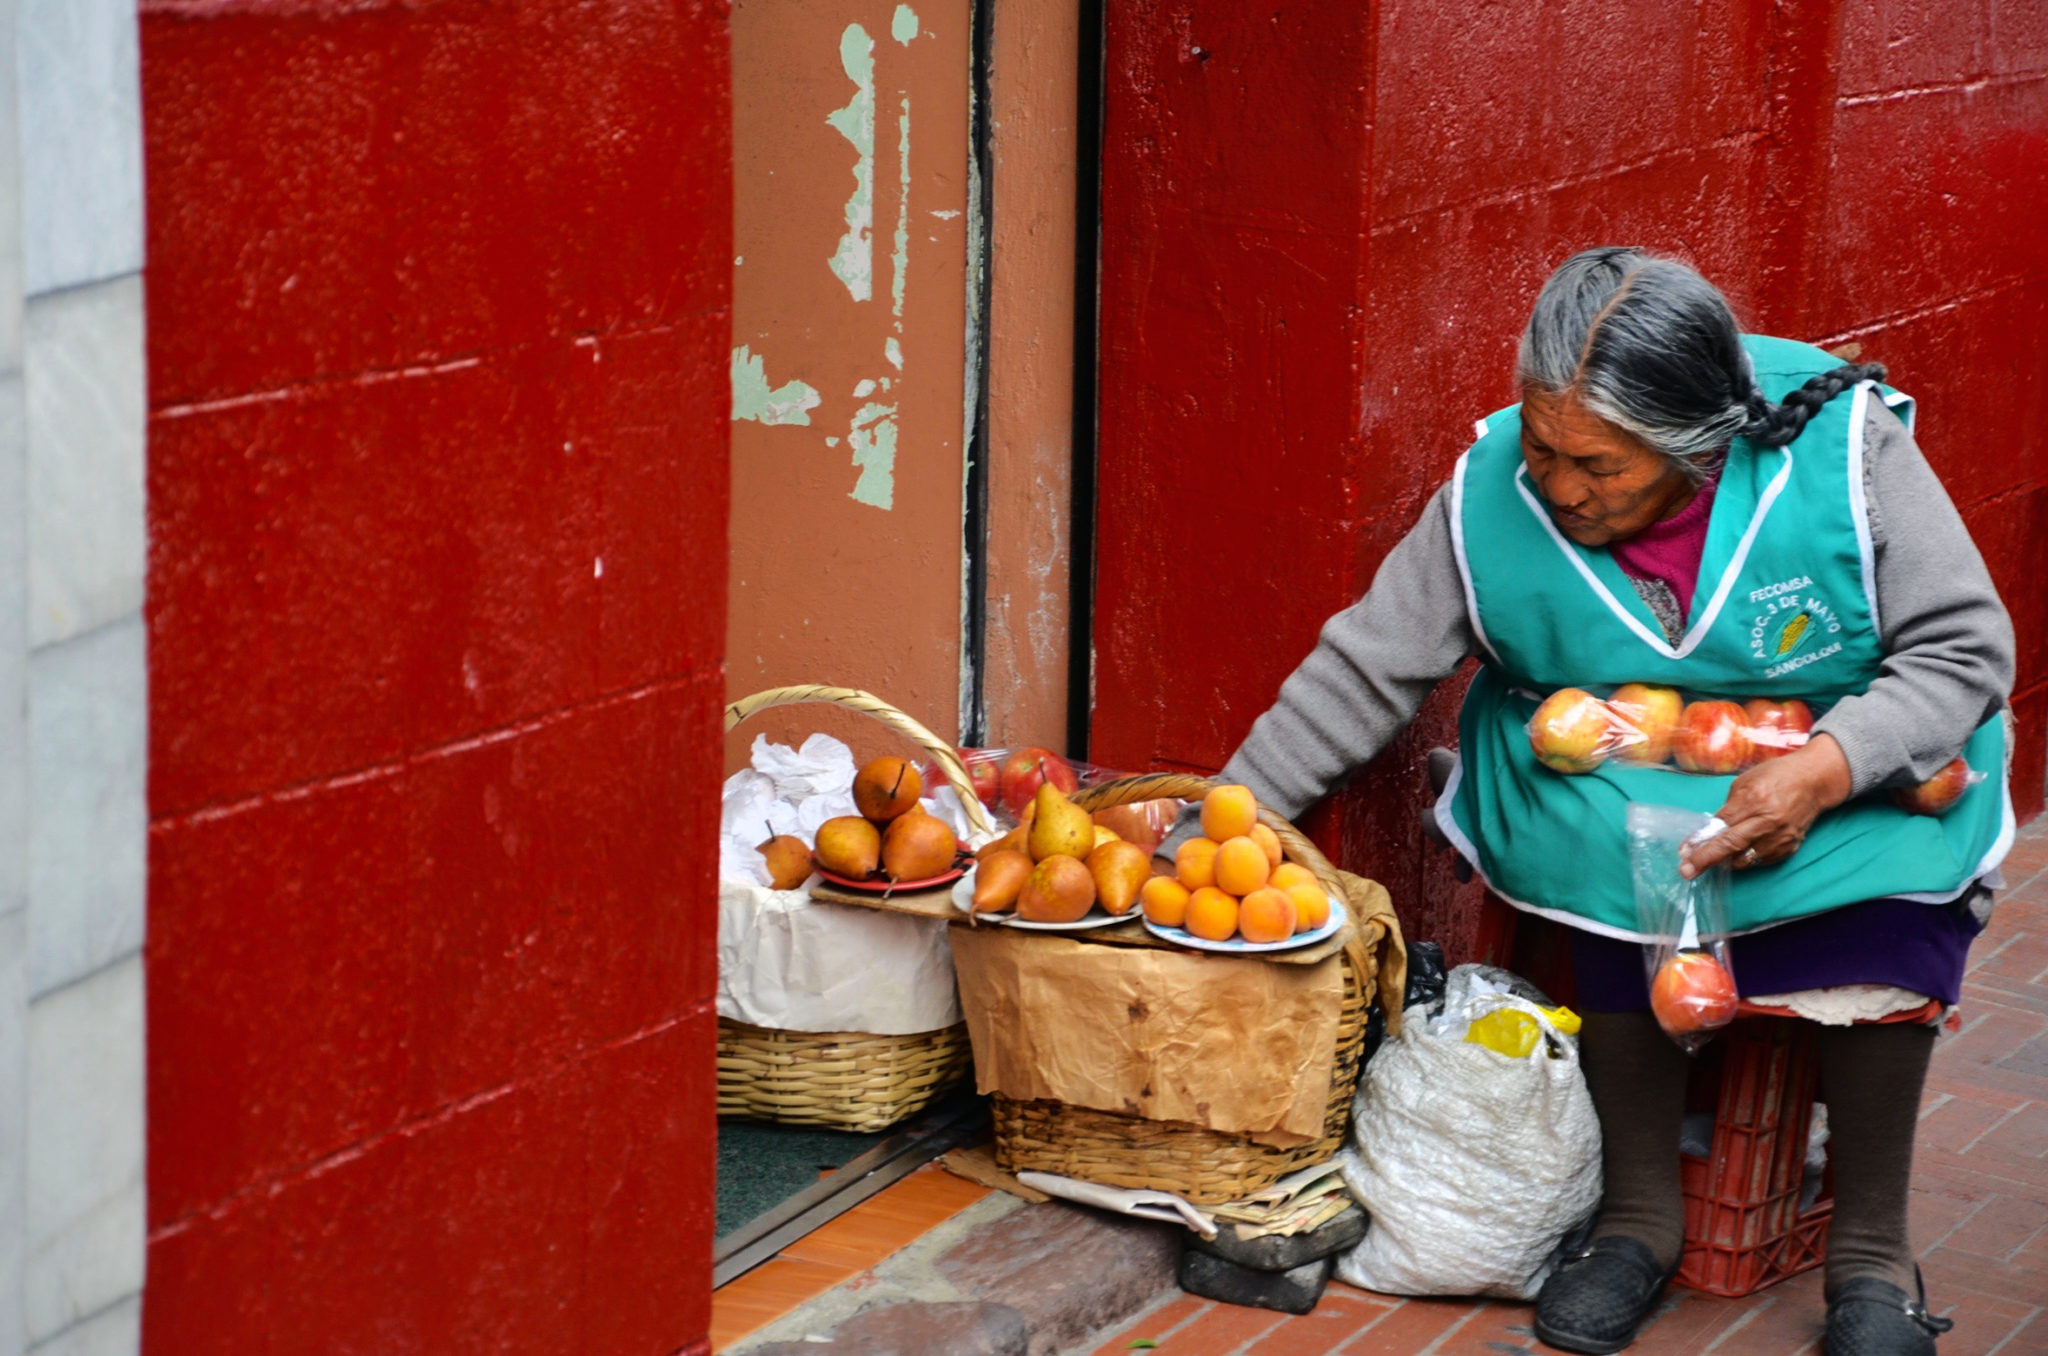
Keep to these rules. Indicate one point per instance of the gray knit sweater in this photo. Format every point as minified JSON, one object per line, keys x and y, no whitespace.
{"x":1947,"y":640}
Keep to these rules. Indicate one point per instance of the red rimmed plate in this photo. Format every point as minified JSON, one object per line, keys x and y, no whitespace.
{"x":883,"y":885}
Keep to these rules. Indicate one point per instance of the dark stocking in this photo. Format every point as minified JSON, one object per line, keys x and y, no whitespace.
{"x":1637,"y":1078}
{"x":1871,"y":1077}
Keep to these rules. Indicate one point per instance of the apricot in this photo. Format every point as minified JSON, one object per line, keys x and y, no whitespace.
{"x":1266,"y":915}
{"x":1212,"y":914}
{"x":1240,"y":867}
{"x":1311,"y":906}
{"x":1165,"y":901}
{"x":1268,"y":840}
{"x":1229,"y":812}
{"x":1194,"y":863}
{"x":1288,"y":874}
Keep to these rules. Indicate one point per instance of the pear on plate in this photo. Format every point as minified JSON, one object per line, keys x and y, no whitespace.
{"x":1120,"y":871}
{"x":1060,"y":828}
{"x":999,"y":879}
{"x":848,"y":846}
{"x":917,"y":846}
{"x":1058,"y":890}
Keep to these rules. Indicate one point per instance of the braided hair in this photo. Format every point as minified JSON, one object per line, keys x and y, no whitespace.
{"x":1653,"y":348}
{"x":1776,"y":425}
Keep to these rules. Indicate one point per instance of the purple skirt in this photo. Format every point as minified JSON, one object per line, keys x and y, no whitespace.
{"x":1921,"y":947}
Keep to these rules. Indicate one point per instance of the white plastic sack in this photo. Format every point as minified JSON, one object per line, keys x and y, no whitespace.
{"x":1474,"y":1165}
{"x":789,"y":962}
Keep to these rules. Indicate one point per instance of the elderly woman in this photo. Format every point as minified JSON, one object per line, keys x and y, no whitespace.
{"x":1677,"y":503}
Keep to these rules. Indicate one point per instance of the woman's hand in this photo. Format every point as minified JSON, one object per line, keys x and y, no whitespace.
{"x":1771,"y":806}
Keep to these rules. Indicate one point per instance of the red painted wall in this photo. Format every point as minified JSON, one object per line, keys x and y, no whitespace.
{"x":1324,"y":224}
{"x":439,"y":309}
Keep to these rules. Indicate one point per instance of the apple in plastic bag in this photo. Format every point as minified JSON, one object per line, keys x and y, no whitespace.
{"x":1572,"y":731}
{"x":1713,"y":736}
{"x":1693,"y":992}
{"x":1777,"y":728}
{"x":1652,"y":714}
{"x":1028,"y":769}
{"x":984,"y":774}
{"x":1935,"y":795}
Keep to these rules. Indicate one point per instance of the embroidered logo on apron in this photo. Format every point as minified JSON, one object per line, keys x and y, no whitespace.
{"x":1794,"y":628}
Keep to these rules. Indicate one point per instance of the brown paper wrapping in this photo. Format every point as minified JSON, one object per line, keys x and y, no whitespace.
{"x":1230,"y":1043}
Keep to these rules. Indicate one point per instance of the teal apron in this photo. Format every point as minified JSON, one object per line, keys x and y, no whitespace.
{"x":1785,"y":608}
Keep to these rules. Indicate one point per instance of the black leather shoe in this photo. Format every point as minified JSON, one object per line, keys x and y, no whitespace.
{"x":1595,"y":1302}
{"x":1870,"y":1317}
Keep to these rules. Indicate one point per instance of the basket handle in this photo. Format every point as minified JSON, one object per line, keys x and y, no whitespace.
{"x":853,"y":699}
{"x":1187,"y":786}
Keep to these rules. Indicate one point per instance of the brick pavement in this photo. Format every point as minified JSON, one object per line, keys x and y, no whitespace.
{"x":1979,"y":1208}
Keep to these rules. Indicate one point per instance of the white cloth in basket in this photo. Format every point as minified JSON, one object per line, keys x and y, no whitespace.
{"x":786,"y":961}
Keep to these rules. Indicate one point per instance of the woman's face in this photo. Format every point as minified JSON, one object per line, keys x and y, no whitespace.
{"x":1602,"y":484}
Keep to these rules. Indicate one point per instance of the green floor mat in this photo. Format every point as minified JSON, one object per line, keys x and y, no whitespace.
{"x":760,"y":1166}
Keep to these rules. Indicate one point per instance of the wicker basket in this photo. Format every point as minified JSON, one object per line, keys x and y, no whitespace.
{"x":842,"y":1079}
{"x":847,"y":1080}
{"x":1205,"y":1166}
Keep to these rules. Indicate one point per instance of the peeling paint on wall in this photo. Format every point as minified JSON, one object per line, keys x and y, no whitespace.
{"x":789,"y":403}
{"x":904,"y":26}
{"x":873,"y":438}
{"x":854,"y":260}
{"x":899,"y":258}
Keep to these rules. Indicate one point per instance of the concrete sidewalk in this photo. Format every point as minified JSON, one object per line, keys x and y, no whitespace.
{"x":995,"y":1277}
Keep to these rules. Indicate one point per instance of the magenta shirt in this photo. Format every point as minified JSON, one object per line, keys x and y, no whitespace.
{"x":1670,"y":551}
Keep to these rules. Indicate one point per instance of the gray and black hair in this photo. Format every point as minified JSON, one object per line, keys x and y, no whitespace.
{"x":1653,"y":348}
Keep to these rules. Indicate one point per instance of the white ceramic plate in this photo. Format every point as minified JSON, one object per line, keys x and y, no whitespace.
{"x":963,"y":900}
{"x":1237,"y":946}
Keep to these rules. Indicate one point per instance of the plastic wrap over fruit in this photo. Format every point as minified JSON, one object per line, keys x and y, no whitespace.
{"x":1692,"y":986}
{"x":1939,"y":793}
{"x":1575,"y":729}
{"x":1008,"y":779}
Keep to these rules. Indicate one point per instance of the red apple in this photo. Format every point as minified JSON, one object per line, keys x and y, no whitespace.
{"x":1713,"y":736}
{"x":1693,"y":992}
{"x":984,"y":773}
{"x":1777,"y":728}
{"x":1029,"y":768}
{"x":1651,"y":714}
{"x":1937,"y":793}
{"x":1572,"y":731}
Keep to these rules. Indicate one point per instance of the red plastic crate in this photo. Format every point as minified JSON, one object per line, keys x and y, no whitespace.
{"x":1743,"y":1226}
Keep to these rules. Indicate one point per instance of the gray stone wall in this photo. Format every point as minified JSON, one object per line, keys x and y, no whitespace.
{"x":73,"y":681}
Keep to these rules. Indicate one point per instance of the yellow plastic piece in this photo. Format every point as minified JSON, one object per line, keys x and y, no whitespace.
{"x":1514,"y":1032}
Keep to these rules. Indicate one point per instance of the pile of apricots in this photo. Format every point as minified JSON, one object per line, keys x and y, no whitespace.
{"x":1232,"y":883}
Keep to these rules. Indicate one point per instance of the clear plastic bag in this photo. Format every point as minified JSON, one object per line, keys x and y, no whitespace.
{"x":1576,"y":730}
{"x":1692,"y":985}
{"x":1939,"y":793}
{"x":1007,"y":779}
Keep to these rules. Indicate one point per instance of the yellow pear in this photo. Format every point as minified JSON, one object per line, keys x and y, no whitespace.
{"x":848,"y":846}
{"x":1016,"y":840}
{"x":917,"y":846}
{"x":886,"y":788}
{"x":1103,"y":835}
{"x":1120,"y":871}
{"x":789,"y":861}
{"x":998,"y":880}
{"x":1059,"y":828}
{"x":1058,"y":890}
